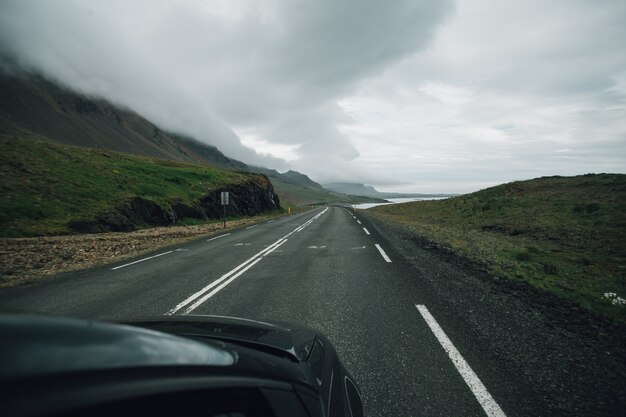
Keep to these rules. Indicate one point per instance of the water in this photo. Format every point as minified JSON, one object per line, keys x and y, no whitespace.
{"x":395,"y":201}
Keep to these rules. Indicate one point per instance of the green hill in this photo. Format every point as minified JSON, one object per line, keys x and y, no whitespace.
{"x":565,"y":235}
{"x":54,"y":189}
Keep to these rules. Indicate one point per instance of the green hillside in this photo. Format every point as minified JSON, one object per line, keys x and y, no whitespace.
{"x":45,"y":185}
{"x":294,"y":196}
{"x":565,"y":235}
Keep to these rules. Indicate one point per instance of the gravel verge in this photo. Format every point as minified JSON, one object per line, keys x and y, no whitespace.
{"x":26,"y":260}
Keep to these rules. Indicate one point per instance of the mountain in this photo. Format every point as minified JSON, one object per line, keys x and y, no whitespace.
{"x":289,"y":177}
{"x":353,"y":189}
{"x":369,"y":191}
{"x":32,"y":107}
{"x":301,"y":179}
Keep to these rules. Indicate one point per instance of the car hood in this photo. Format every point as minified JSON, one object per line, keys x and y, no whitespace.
{"x":36,"y":345}
{"x":285,"y":339}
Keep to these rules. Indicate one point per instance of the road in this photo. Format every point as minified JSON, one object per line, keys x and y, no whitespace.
{"x":413,"y":348}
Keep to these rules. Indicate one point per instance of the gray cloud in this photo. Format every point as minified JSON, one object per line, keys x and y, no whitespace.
{"x":204,"y":68}
{"x":412,"y":95}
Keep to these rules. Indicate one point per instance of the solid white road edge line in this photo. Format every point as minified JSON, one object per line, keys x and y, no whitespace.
{"x":141,"y":260}
{"x":491,"y":407}
{"x":217,"y":237}
{"x":271,"y":247}
{"x":382,"y":252}
{"x":366,"y":231}
{"x":250,"y":227}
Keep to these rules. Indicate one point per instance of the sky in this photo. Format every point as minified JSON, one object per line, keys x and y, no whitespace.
{"x":407,"y":96}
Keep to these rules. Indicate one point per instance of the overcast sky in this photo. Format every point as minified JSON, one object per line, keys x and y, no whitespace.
{"x":416,"y":96}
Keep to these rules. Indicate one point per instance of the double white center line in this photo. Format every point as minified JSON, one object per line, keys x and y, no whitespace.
{"x":199,"y":297}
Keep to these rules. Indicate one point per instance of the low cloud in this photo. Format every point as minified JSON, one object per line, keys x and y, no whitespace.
{"x":207,"y":69}
{"x":407,"y":95}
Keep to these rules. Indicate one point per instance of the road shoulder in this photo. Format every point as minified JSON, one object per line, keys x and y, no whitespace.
{"x":572,"y":359}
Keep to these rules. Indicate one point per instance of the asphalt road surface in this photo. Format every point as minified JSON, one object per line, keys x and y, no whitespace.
{"x":416,"y":342}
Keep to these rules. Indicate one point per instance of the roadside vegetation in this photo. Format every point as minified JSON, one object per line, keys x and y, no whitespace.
{"x":297,"y":198}
{"x":564,"y":235}
{"x":44,"y":185}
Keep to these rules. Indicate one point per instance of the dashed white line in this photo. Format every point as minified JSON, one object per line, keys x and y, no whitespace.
{"x":201,"y":296}
{"x":250,"y":227}
{"x":141,"y":260}
{"x":217,"y":237}
{"x":366,"y":231}
{"x":489,"y":405}
{"x":382,"y":253}
{"x":358,"y":221}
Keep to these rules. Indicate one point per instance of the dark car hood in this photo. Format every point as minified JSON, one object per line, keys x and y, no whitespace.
{"x":36,"y":345}
{"x":274,"y":337}
{"x":33,"y":346}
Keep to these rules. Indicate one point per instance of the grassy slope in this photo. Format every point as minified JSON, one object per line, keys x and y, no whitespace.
{"x":293,"y":196}
{"x":563,"y":235}
{"x":45,"y":185}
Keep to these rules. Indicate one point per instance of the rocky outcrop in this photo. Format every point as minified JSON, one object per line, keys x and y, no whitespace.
{"x":249,"y":198}
{"x":245,"y":200}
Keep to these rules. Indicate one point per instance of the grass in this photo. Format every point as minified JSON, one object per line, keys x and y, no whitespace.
{"x":564,"y":235}
{"x":293,"y":196}
{"x":45,"y":185}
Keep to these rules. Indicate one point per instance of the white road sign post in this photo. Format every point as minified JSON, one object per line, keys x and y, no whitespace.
{"x":224,"y":197}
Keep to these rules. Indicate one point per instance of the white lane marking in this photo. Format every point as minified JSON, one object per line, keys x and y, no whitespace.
{"x":199,"y":294}
{"x":358,"y":247}
{"x":358,"y":221}
{"x":141,"y":260}
{"x":382,"y":252}
{"x":218,"y":237}
{"x":215,"y":291}
{"x":269,"y":221}
{"x":250,"y":227}
{"x":274,"y":248}
{"x":270,"y":248}
{"x":316,"y":247}
{"x":485,"y":399}
{"x":242,"y":244}
{"x":366,"y":231}
{"x":181,"y":250}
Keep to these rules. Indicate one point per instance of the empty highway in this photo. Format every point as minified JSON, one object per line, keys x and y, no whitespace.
{"x":419,"y":336}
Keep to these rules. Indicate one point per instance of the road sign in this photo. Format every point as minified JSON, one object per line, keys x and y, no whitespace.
{"x":224,"y":198}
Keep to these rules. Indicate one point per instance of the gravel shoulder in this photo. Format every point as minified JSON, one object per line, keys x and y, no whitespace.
{"x":27,"y":260}
{"x":572,"y":360}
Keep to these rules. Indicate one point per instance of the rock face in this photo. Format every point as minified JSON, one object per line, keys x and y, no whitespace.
{"x":249,"y":198}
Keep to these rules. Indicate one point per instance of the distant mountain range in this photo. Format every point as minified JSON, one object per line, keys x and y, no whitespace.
{"x":32,"y":107}
{"x":369,"y":191}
